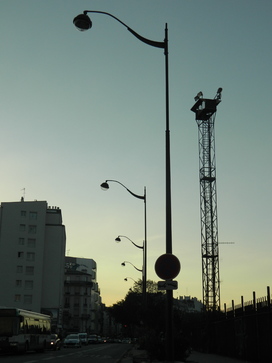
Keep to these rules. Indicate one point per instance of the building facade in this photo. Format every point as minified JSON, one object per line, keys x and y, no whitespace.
{"x":82,"y":301}
{"x":32,"y":257}
{"x":189,"y":304}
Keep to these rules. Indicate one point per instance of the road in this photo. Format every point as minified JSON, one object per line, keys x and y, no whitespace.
{"x":97,"y":353}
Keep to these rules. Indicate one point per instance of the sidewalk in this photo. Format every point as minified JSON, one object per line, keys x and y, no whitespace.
{"x":135,"y":355}
{"x":197,"y":357}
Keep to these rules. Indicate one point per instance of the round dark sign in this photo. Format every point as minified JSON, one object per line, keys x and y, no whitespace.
{"x":167,"y":266}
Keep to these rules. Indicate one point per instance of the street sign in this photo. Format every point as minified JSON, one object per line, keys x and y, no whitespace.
{"x":167,"y":266}
{"x":167,"y":285}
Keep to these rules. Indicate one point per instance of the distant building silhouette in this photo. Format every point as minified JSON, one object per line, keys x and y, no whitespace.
{"x":189,"y":304}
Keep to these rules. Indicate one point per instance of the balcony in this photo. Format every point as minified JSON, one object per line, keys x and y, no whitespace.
{"x":77,"y":283}
{"x":85,"y":316}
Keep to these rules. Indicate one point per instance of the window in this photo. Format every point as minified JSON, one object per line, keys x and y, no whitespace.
{"x":29,"y":270}
{"x":33,"y":215}
{"x":31,"y":242}
{"x":32,"y":229}
{"x":22,"y":227}
{"x":27,"y":299}
{"x":17,"y":297}
{"x":23,"y":213}
{"x":20,"y":254}
{"x":67,"y":303}
{"x":18,"y":283}
{"x":19,"y":269}
{"x":21,"y":241}
{"x":30,"y":256}
{"x":29,"y":284}
{"x":76,"y":302}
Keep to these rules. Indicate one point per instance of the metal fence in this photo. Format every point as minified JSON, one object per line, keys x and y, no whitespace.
{"x":243,"y":331}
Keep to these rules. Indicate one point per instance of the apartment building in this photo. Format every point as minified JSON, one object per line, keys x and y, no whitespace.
{"x":189,"y":304}
{"x":82,"y":301}
{"x":32,"y":257}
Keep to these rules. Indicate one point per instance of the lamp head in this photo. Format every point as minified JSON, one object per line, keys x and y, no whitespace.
{"x":82,"y":22}
{"x":104,"y":186}
{"x":218,"y":94}
{"x":198,"y":96}
{"x":118,"y":239}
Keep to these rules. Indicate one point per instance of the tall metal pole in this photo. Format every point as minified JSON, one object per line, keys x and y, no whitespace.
{"x":145,"y":252}
{"x":83,"y":22}
{"x":169,"y":293}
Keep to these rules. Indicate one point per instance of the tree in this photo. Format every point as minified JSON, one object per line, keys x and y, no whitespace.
{"x":151,"y":287}
{"x":147,"y":322}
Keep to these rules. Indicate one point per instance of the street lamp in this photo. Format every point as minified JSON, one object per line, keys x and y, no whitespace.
{"x":105,"y":186}
{"x":118,"y":239}
{"x":83,"y":22}
{"x":136,"y":268}
{"x":126,"y":278}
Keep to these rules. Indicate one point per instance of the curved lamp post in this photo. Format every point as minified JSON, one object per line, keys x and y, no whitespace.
{"x":105,"y":186}
{"x":126,"y":278}
{"x":83,"y":22}
{"x":137,"y":283}
{"x":136,"y":268}
{"x":118,"y":239}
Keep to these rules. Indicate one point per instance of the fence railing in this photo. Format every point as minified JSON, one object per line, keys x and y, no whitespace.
{"x":255,"y":304}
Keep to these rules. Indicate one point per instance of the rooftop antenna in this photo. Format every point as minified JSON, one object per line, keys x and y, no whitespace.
{"x":23,"y":197}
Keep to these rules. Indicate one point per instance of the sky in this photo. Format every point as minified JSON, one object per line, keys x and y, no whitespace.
{"x":78,"y":108}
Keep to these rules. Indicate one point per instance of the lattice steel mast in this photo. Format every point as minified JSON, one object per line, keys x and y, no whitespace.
{"x":205,"y":112}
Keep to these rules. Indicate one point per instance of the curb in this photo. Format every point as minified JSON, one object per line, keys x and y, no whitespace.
{"x":119,"y":360}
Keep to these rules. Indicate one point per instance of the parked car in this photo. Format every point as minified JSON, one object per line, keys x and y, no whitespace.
{"x":84,"y":338}
{"x":126,"y":340}
{"x":72,"y":340}
{"x":92,"y":339}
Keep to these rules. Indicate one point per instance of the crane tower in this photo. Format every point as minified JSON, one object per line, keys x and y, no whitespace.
{"x":205,"y":112}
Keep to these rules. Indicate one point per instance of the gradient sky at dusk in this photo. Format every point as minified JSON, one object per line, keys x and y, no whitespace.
{"x":81,"y":107}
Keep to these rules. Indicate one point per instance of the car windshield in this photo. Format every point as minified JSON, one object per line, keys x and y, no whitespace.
{"x":72,"y":336}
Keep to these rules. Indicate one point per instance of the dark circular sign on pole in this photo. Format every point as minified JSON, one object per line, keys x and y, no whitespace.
{"x":167,"y":266}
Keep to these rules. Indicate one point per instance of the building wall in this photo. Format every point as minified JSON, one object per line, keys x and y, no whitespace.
{"x":32,"y":251}
{"x":54,"y":265}
{"x":82,"y":307}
